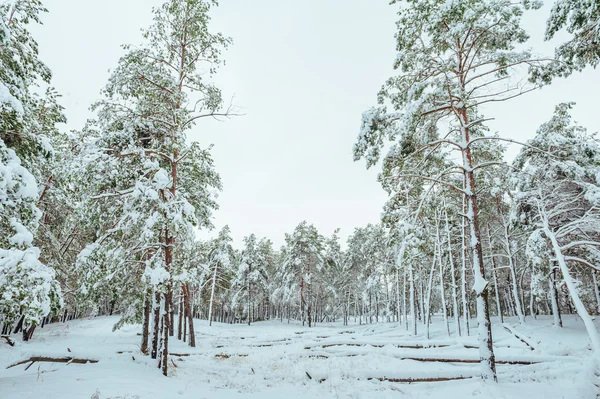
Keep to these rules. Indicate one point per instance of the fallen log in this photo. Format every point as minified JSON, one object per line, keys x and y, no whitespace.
{"x":67,"y":360}
{"x":411,"y":380}
{"x":432,"y":359}
{"x":8,"y":340}
{"x":518,"y":336}
{"x":416,"y":346}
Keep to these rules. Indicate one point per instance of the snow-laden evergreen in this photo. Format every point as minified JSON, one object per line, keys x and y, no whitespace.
{"x":29,"y":290}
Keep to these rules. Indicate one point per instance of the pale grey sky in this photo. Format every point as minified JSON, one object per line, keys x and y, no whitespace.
{"x":303,"y":72}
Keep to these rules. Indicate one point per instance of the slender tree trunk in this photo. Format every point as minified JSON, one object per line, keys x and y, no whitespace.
{"x":146,"y":322}
{"x":494,"y":271}
{"x":156,"y":325}
{"x":486,"y":349}
{"x":463,"y":286}
{"x":554,"y":299}
{"x":249,"y":297}
{"x":399,"y":320}
{"x":166,"y":330}
{"x":595,"y":281}
{"x":498,"y":307}
{"x":531,"y":296}
{"x":511,"y":265}
{"x":309,"y":302}
{"x":442,"y":290}
{"x":19,"y":325}
{"x":427,"y":304}
{"x":180,"y":315}
{"x":413,"y":310}
{"x":452,"y":271}
{"x":404,"y":310}
{"x":302,"y":303}
{"x":212,"y":294}
{"x":187,"y":299}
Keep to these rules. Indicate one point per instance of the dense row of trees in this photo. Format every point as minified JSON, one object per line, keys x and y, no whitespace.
{"x":103,"y":220}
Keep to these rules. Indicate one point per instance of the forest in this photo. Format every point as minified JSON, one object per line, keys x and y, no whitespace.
{"x":104,"y":220}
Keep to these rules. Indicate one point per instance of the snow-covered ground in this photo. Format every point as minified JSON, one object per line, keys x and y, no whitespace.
{"x":280,"y":360}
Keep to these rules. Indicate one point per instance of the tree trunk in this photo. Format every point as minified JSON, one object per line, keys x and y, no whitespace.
{"x":427,"y":304}
{"x":595,"y":281}
{"x":453,"y":272}
{"x":512,"y":268}
{"x":413,"y":310}
{"x":486,"y":349}
{"x":180,"y":315}
{"x":146,"y":322}
{"x":156,"y":326}
{"x":212,"y":294}
{"x":463,"y":286}
{"x":554,"y":299}
{"x":438,"y":240}
{"x":187,"y":298}
{"x":494,"y":271}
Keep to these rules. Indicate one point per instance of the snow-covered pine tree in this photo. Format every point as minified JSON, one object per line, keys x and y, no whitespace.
{"x":220,"y":265}
{"x":250,"y":282}
{"x":303,"y":259}
{"x":29,"y":287}
{"x":453,"y":57}
{"x":581,"y":19}
{"x":558,"y":197}
{"x":154,"y":96}
{"x":335,"y":281}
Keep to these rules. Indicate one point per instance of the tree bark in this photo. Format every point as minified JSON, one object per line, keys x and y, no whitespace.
{"x":188,"y":311}
{"x":146,"y":322}
{"x":486,"y":349}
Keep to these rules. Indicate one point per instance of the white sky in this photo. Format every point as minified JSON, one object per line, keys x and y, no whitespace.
{"x":303,"y":72}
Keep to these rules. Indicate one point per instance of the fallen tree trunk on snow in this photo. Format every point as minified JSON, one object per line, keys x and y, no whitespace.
{"x":68,"y":360}
{"x":8,"y":340}
{"x":411,"y":380}
{"x":442,"y":360}
{"x":518,"y":336}
{"x":432,"y":359}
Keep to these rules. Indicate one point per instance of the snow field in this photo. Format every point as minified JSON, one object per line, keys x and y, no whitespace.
{"x":280,"y":360}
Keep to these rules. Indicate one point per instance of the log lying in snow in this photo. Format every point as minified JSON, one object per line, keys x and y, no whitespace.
{"x":227,"y":355}
{"x":428,"y":359}
{"x":411,"y":380}
{"x":8,"y":340}
{"x":68,"y":360}
{"x":415,"y":346}
{"x":523,"y":362}
{"x":518,"y":336}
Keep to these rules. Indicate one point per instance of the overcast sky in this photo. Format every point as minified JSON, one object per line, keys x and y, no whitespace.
{"x":303,"y":72}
